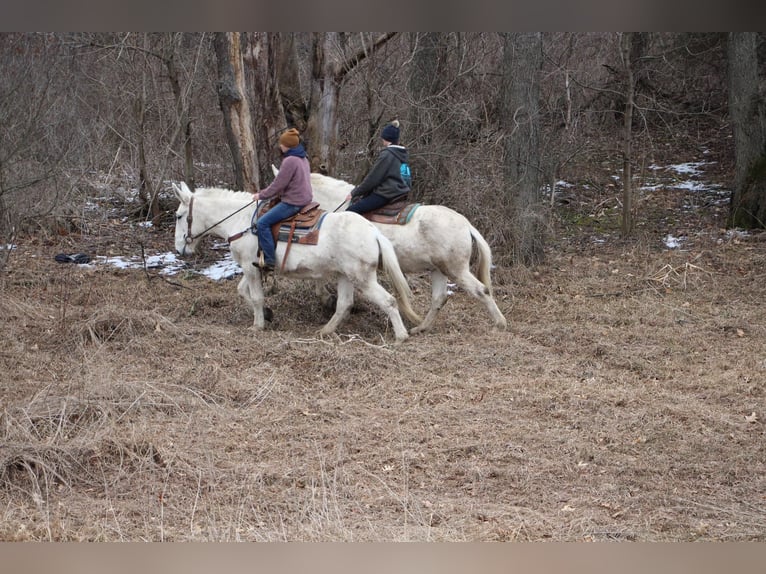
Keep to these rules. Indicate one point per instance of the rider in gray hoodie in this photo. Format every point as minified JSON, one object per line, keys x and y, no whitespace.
{"x":384,"y":181}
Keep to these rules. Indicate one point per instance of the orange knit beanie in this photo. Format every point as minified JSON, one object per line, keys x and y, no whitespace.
{"x":290,"y":138}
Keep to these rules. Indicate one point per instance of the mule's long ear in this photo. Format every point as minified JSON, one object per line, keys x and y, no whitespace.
{"x":183,"y":193}
{"x":176,"y":190}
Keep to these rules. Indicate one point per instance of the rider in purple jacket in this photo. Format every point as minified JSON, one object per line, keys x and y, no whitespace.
{"x":292,"y":186}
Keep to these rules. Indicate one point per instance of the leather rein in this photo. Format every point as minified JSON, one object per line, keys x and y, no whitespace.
{"x":190,"y":237}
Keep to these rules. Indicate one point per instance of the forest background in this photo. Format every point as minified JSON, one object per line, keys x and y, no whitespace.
{"x":492,"y":121}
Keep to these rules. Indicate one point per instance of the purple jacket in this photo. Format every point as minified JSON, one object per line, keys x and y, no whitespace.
{"x":292,"y":184}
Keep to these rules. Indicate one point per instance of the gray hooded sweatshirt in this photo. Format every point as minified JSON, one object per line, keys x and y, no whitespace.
{"x":385,"y":178}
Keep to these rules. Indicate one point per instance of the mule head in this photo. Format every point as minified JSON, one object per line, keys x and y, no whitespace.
{"x":183,"y":231}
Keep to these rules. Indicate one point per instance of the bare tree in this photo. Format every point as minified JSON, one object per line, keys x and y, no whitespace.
{"x":234,"y":102}
{"x":427,"y":84}
{"x":36,"y":137}
{"x":262,"y":58}
{"x":562,"y":112}
{"x":748,"y":205}
{"x":331,"y":63}
{"x":290,"y":47}
{"x":184,"y":125}
{"x":629,"y":45}
{"x":144,"y":61}
{"x":522,"y":61}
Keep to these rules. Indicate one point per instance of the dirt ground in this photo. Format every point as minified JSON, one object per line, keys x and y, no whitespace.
{"x":625,"y":401}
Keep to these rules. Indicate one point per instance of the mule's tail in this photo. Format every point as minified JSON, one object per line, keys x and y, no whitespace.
{"x":397,"y":278}
{"x":485,"y":258}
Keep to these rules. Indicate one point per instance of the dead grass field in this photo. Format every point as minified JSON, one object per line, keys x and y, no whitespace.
{"x":626,"y":401}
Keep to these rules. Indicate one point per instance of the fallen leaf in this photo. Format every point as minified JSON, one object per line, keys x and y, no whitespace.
{"x":752,"y":417}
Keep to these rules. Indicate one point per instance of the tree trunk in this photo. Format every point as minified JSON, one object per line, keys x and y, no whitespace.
{"x":145,"y":194}
{"x":293,"y":102}
{"x":146,"y":191}
{"x":262,"y":55}
{"x":427,"y":114}
{"x":626,"y":52}
{"x":182,"y":111}
{"x":748,"y":204}
{"x":426,"y":82}
{"x":232,"y":96}
{"x":330,"y":65}
{"x":522,"y":62}
{"x":322,"y":129}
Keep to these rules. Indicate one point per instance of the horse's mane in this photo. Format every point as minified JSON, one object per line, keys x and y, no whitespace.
{"x":222,"y":193}
{"x":329,"y":180}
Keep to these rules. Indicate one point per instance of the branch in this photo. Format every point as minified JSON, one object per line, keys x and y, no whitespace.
{"x":363,"y":52}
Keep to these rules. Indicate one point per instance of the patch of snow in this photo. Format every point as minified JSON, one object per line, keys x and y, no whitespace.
{"x":673,"y":242}
{"x":224,"y":269}
{"x":689,"y":168}
{"x":691,"y":186}
{"x":170,"y":264}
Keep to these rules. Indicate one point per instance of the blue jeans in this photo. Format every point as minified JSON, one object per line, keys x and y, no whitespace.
{"x":263,"y":228}
{"x":368,"y":203}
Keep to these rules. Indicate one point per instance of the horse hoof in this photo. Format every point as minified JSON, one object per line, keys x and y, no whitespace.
{"x":268,"y":314}
{"x":418,"y":329}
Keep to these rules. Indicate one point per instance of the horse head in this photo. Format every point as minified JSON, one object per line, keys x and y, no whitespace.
{"x":184,"y":238}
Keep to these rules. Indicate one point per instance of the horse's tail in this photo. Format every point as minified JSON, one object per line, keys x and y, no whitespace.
{"x":485,"y":257}
{"x":397,"y":278}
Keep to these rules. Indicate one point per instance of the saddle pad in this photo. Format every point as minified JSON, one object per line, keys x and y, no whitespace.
{"x":303,"y":227}
{"x":303,"y":235}
{"x":396,"y":214}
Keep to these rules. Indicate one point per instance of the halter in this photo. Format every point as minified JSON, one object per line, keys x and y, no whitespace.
{"x":190,"y":237}
{"x":189,"y":218}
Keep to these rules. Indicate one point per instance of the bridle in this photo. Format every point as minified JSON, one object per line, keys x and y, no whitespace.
{"x":189,"y":236}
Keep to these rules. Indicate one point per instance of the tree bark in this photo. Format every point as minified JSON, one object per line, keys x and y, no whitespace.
{"x":329,"y":68}
{"x":428,"y":113}
{"x":294,"y":104}
{"x":262,"y":54}
{"x":322,"y":129}
{"x":182,"y":110}
{"x":748,"y":205}
{"x":146,"y":191}
{"x":626,"y":52}
{"x":522,"y":62}
{"x":236,"y":109}
{"x":426,"y":82}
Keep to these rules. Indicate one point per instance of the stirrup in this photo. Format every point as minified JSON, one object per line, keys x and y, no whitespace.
{"x":262,"y":265}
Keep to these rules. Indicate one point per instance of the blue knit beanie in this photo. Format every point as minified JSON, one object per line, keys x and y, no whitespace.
{"x":390,"y":133}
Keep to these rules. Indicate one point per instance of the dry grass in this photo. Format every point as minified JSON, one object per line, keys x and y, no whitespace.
{"x":625,"y":401}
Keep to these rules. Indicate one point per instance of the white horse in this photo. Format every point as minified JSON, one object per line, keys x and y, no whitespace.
{"x":437,"y":239}
{"x":348,"y":252}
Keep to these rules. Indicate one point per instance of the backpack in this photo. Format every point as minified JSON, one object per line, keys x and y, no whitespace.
{"x":404,"y":170}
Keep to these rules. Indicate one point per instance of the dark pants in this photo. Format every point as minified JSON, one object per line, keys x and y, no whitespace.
{"x":265,"y":239}
{"x":368,"y":203}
